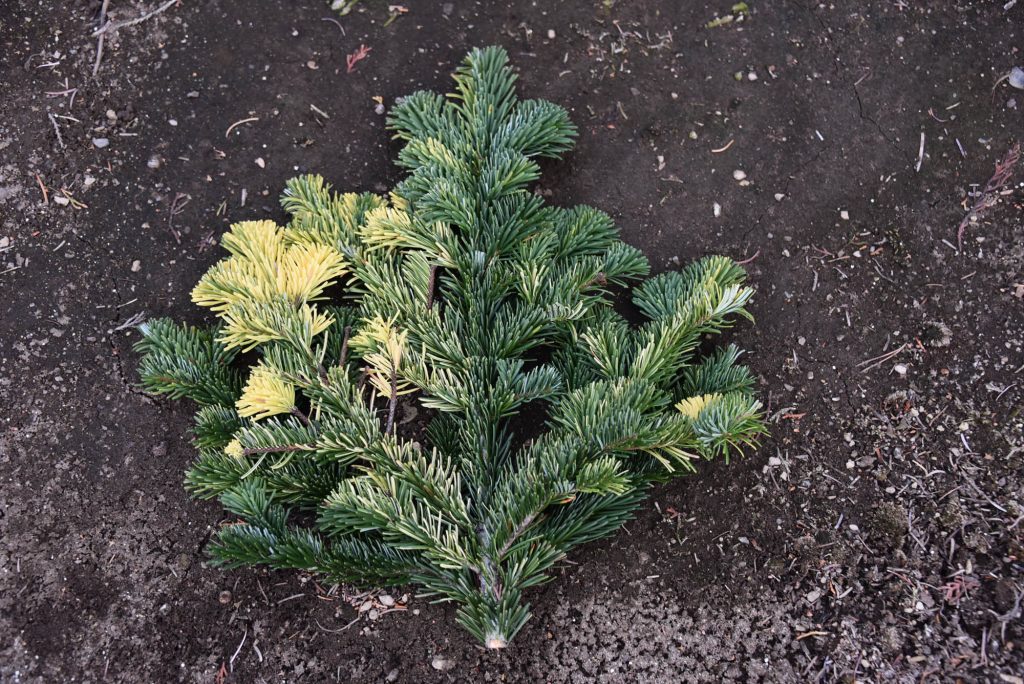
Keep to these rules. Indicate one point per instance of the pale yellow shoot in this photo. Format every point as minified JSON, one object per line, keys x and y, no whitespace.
{"x":263,"y":268}
{"x":234,"y":449}
{"x":307,"y":270}
{"x":266,"y":394}
{"x":694,"y":405}
{"x":383,"y":348}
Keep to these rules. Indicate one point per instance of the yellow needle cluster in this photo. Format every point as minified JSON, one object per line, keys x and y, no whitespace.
{"x":693,"y":406}
{"x":384,"y":348}
{"x":264,"y":288}
{"x":266,"y":394}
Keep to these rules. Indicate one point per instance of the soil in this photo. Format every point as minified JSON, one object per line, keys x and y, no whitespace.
{"x":876,"y":536}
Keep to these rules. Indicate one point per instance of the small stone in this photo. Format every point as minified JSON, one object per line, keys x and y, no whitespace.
{"x":379,"y":109}
{"x":312,"y":65}
{"x":845,"y":215}
{"x":717,"y":208}
{"x":693,"y":135}
{"x":774,"y":461}
{"x":367,"y":605}
{"x":801,"y":340}
{"x":551,"y":34}
{"x":386,"y":600}
{"x":393,"y":675}
{"x":154,"y":162}
{"x":100,"y":142}
{"x":1016,"y":78}
{"x":61,"y":200}
{"x":260,"y":163}
{"x":173,"y":122}
{"x":779,"y":197}
{"x":813,"y":596}
{"x":165,"y":609}
{"x":373,"y":614}
{"x":192,"y":94}
{"x":136,"y":266}
{"x":112,"y":115}
{"x":752,"y":76}
{"x":739,"y":174}
{"x":224,"y":598}
{"x":900,"y":368}
{"x":442,"y":664}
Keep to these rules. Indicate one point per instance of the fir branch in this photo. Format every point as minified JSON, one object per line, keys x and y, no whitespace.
{"x":475,"y":516}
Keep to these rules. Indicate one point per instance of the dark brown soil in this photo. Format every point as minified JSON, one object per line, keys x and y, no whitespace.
{"x":877,"y":535}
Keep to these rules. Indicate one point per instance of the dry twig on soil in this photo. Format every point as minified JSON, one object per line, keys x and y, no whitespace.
{"x":111,"y":27}
{"x":989,"y":195}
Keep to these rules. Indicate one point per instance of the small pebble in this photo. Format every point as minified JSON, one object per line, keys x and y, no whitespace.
{"x":845,"y":215}
{"x":900,"y":368}
{"x":61,"y":200}
{"x":551,"y":34}
{"x":112,"y":115}
{"x":441,"y":663}
{"x":1016,"y":78}
{"x":693,"y":135}
{"x":192,"y":94}
{"x":386,"y":600}
{"x":717,"y":208}
{"x":379,"y":109}
{"x":739,"y":174}
{"x":260,"y":163}
{"x":136,"y":266}
{"x":225,"y":596}
{"x":154,"y":162}
{"x":100,"y":142}
{"x":173,"y":122}
{"x":752,"y":76}
{"x":779,"y":197}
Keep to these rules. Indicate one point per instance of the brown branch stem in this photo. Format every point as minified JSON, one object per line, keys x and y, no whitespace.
{"x":343,"y":359}
{"x":278,"y":449}
{"x":392,"y":403}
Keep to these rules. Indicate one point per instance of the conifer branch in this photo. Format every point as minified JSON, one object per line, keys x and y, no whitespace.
{"x":473,"y":515}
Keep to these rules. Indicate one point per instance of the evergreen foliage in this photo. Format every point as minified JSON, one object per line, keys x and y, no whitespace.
{"x":462,"y":291}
